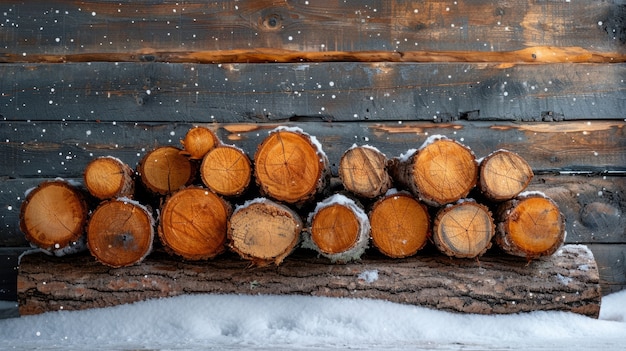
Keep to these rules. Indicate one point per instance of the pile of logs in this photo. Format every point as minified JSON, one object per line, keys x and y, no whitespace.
{"x":439,"y":192}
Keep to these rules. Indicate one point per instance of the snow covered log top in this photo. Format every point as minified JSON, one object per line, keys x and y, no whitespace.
{"x":565,"y":281}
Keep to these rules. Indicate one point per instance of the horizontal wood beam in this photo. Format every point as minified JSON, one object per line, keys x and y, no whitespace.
{"x":538,"y":54}
{"x":328,"y":91}
{"x":67,"y":27}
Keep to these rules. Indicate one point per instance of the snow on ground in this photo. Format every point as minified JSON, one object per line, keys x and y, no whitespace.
{"x":218,"y":322}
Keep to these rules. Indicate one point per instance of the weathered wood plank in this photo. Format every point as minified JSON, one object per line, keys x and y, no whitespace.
{"x":566,"y":281}
{"x":593,"y":206}
{"x":611,"y":261}
{"x":63,"y":149}
{"x":67,"y":26}
{"x":157,"y":92}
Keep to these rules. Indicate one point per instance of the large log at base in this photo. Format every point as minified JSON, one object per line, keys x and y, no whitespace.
{"x":193,"y":223}
{"x":108,"y":177}
{"x":363,"y":171}
{"x":531,"y":225}
{"x":463,"y":230}
{"x":503,"y":175}
{"x":120,"y":233}
{"x":290,"y":166}
{"x":53,"y":215}
{"x":440,"y":172}
{"x":502,"y":284}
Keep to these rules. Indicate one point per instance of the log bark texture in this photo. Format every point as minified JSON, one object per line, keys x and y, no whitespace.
{"x":566,"y":281}
{"x":226,"y":170}
{"x":53,"y":215}
{"x":108,"y":177}
{"x":193,"y":223}
{"x":442,"y":171}
{"x":400,"y":225}
{"x":363,"y":171}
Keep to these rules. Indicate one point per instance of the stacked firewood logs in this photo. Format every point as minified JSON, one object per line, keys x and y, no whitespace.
{"x":439,"y":193}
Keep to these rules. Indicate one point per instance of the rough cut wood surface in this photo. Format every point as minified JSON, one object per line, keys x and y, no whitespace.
{"x":567,"y":281}
{"x":531,"y":225}
{"x":120,"y":233}
{"x":53,"y":215}
{"x":363,"y":172}
{"x":400,"y":225}
{"x":192,"y":223}
{"x":226,"y":170}
{"x":109,"y":177}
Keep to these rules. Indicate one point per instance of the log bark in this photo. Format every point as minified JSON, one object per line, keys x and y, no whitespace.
{"x":226,"y":170}
{"x":108,"y":177}
{"x":193,"y":223}
{"x":400,"y":225}
{"x":531,"y":225}
{"x":291,"y":166}
{"x":440,"y":172}
{"x":463,"y":230}
{"x":263,"y":231}
{"x":120,"y":233}
{"x":338,"y":229}
{"x":198,"y":141}
{"x":363,"y":171}
{"x":566,"y":281}
{"x":164,"y":170}
{"x":53,"y":215}
{"x":503,"y":175}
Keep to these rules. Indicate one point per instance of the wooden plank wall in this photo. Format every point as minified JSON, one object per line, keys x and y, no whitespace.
{"x":81,"y":79}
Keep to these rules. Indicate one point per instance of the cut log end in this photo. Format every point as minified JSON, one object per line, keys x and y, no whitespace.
{"x":264,"y":232}
{"x":198,"y":142}
{"x":226,"y":170}
{"x":463,"y":230}
{"x":108,"y":177}
{"x":53,"y":215}
{"x":339,"y":229}
{"x":400,"y":225}
{"x":503,"y":175}
{"x":289,"y":167}
{"x":530,"y":226}
{"x":363,"y":171}
{"x":120,"y":233}
{"x":193,"y":224}
{"x":164,"y":170}
{"x":444,"y":171}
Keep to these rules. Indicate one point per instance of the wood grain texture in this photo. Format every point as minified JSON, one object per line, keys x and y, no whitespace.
{"x":61,"y":27}
{"x":339,"y":91}
{"x":63,"y":149}
{"x":567,"y":281}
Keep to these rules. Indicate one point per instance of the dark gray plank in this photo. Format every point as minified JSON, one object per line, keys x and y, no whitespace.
{"x":611,"y":260}
{"x":63,"y":149}
{"x":65,"y":26}
{"x":339,"y":91}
